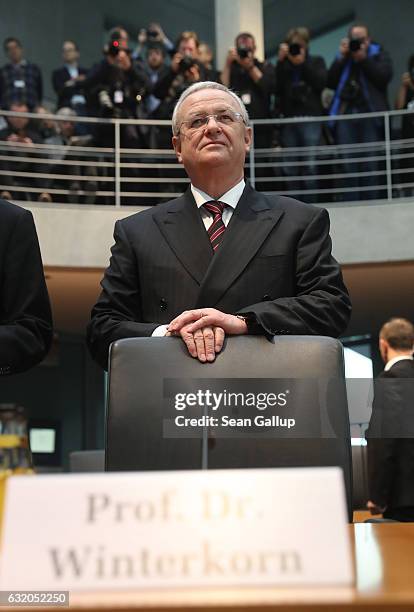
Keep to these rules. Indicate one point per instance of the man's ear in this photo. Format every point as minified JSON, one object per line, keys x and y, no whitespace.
{"x":247,"y":138}
{"x":176,"y":143}
{"x":383,"y":347}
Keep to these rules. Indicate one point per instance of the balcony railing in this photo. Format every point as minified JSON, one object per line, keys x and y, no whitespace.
{"x":93,"y":166}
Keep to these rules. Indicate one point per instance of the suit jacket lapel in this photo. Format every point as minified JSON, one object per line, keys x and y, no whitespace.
{"x":182,"y":227}
{"x":251,"y":223}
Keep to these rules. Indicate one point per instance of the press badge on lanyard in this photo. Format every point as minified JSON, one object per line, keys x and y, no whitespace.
{"x":19,"y":84}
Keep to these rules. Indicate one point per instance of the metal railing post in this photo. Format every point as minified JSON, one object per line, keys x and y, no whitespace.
{"x":388,"y":155}
{"x":251,"y":160}
{"x":117,"y":164}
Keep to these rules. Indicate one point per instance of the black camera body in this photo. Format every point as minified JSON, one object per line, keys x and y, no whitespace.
{"x":152,"y":34}
{"x":355,"y":44}
{"x":186,"y":63}
{"x":243,"y":51}
{"x":294,"y":49}
{"x":115,"y":46}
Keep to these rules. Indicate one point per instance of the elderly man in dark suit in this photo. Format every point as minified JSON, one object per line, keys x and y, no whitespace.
{"x":222,"y":259}
{"x":390,"y":435}
{"x":25,"y":315}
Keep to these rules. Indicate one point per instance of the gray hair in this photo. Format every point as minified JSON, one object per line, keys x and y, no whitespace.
{"x":206,"y":85}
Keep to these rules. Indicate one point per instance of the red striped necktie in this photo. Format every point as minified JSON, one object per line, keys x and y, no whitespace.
{"x":216,"y":229}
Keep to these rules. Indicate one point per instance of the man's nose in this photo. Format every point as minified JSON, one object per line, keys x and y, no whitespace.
{"x":212,"y":123}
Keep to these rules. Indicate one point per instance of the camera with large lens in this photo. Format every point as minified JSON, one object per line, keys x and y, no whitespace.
{"x":294,"y":49}
{"x":186,"y":63}
{"x":115,"y":46}
{"x":351,"y":91}
{"x":243,"y":51}
{"x":355,"y":44}
{"x":152,"y":33}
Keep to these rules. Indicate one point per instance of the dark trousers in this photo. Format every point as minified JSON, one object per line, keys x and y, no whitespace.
{"x":301,"y":135}
{"x":359,"y":131}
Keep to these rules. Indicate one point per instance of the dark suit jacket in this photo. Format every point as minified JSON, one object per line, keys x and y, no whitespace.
{"x":274,"y":262}
{"x":390,"y":438}
{"x":59,"y":78}
{"x":25,"y":315}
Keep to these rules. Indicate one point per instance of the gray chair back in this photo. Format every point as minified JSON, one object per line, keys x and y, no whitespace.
{"x":142,"y":368}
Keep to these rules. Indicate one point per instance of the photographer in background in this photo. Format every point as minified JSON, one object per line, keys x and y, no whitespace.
{"x":205,"y":55}
{"x":155,"y":68}
{"x":114,"y":88}
{"x":253,"y":81}
{"x":149,"y":37}
{"x":300,"y":79}
{"x":359,"y":75}
{"x":185,"y":70}
{"x":67,"y":80}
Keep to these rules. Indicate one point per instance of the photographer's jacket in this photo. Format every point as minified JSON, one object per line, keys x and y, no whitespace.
{"x":255,"y":95}
{"x":360,"y":85}
{"x":106,"y":78}
{"x":299,"y":88}
{"x":171,"y":85}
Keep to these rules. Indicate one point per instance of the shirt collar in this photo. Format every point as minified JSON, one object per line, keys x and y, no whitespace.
{"x":391,"y":362}
{"x":23,"y":62}
{"x":231,"y":197}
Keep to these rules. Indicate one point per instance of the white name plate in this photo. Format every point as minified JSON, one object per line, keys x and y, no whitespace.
{"x":175,"y":529}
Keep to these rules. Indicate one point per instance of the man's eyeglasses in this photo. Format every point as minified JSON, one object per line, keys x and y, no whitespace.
{"x":199,"y":122}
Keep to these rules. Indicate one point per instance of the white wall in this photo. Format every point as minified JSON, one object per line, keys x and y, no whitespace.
{"x":81,"y":236}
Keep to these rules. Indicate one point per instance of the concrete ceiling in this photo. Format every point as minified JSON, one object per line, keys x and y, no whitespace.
{"x":378,"y":292}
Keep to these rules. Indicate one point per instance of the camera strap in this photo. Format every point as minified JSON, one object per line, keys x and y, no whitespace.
{"x":373,"y":50}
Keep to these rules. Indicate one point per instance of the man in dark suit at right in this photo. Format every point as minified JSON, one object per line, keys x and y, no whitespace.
{"x":25,"y":315}
{"x":390,"y":435}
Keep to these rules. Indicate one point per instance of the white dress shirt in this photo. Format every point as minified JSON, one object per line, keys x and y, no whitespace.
{"x":230,"y":198}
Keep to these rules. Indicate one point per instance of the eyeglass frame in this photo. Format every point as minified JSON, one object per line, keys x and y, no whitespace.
{"x":239,"y":116}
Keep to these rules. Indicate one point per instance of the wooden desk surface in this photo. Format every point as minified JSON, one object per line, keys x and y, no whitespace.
{"x":384,"y":580}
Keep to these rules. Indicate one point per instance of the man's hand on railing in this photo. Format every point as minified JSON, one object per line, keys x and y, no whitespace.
{"x":21,"y":139}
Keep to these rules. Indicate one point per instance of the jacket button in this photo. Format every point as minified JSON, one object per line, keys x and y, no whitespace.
{"x":163,"y":304}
